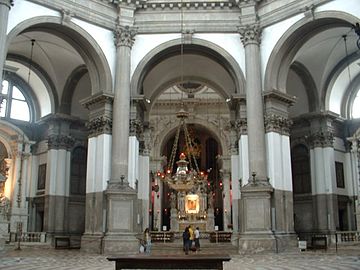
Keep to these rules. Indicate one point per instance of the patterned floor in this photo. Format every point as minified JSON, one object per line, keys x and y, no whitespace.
{"x":45,"y":259}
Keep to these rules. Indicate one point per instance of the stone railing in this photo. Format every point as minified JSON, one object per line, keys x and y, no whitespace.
{"x":29,"y":237}
{"x":348,"y":236}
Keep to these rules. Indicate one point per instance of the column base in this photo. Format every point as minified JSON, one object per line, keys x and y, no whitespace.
{"x":121,"y":243}
{"x":285,"y":241}
{"x":256,"y":243}
{"x":92,"y":243}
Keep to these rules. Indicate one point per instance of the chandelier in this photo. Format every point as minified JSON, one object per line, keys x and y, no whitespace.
{"x":187,"y":176}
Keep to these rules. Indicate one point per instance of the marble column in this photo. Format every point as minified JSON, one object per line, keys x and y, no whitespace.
{"x":250,"y":37}
{"x":124,"y":39}
{"x":122,"y":205}
{"x":256,"y":194}
{"x":5,"y":6}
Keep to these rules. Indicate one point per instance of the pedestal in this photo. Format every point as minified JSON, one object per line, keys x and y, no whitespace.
{"x":120,"y":236}
{"x":256,"y":234}
{"x":92,"y":243}
{"x":3,"y":234}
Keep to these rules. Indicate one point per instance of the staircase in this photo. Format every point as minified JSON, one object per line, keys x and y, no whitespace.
{"x":206,"y":247}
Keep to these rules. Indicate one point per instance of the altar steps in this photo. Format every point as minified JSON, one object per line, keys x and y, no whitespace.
{"x":206,"y":248}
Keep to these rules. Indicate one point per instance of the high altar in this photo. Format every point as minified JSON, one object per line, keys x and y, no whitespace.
{"x":191,"y":204}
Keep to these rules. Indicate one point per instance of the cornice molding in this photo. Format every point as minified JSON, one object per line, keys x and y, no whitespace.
{"x":95,"y":100}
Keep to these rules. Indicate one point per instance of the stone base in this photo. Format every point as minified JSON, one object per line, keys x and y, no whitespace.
{"x":256,"y":243}
{"x":121,"y":243}
{"x":92,"y":243}
{"x":285,"y":241}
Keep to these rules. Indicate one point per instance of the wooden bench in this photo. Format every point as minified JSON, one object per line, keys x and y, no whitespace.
{"x":62,"y":241}
{"x":198,"y":261}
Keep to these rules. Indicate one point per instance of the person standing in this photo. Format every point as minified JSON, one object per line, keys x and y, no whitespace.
{"x":147,"y":238}
{"x":191,"y":240}
{"x":197,"y":238}
{"x":186,"y":240}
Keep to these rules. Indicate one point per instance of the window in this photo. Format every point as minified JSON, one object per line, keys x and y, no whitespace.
{"x":339,"y":168}
{"x":15,"y":104}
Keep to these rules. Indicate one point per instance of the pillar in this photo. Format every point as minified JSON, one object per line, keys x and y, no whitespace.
{"x":256,"y":194}
{"x":323,"y":175}
{"x":122,"y":205}
{"x":98,"y":169}
{"x":60,"y":144}
{"x":5,"y":6}
{"x":277,"y":127}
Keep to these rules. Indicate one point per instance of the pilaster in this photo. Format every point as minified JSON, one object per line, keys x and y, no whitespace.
{"x":322,"y":159}
{"x":100,"y":108}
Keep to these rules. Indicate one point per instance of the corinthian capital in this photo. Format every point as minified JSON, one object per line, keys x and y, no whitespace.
{"x":250,"y":34}
{"x":124,"y":36}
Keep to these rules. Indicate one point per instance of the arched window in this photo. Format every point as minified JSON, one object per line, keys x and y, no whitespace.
{"x":16,"y":103}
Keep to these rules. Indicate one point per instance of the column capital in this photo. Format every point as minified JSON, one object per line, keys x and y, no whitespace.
{"x":124,"y":36}
{"x":278,"y":124}
{"x":136,"y":128}
{"x":321,"y":139}
{"x":99,"y":125}
{"x":250,"y":34}
{"x":60,"y":142}
{"x":8,"y":3}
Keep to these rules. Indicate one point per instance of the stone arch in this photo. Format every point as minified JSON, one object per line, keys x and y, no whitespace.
{"x":170,"y":128}
{"x":82,"y":42}
{"x":310,"y":86}
{"x":42,"y":74}
{"x":69,"y":88}
{"x":10,"y":133}
{"x":197,"y":46}
{"x":286,"y":48}
{"x":350,"y":94}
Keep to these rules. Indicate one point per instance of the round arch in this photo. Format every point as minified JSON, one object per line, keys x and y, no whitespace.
{"x":44,"y":77}
{"x":165,"y":134}
{"x":349,"y":96}
{"x":82,"y":42}
{"x":8,"y":134}
{"x":286,"y":48}
{"x":197,"y":46}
